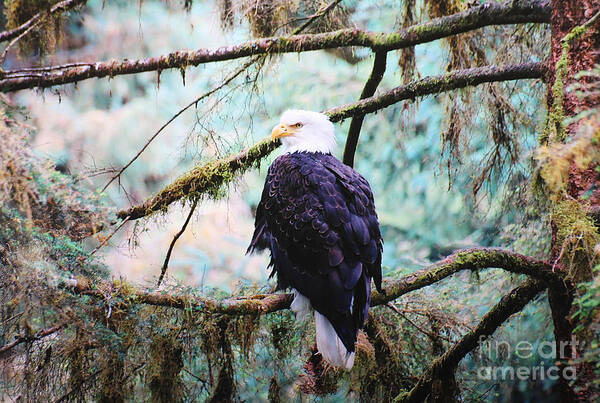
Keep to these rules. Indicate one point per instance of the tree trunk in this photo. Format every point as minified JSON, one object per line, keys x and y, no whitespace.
{"x":582,"y":54}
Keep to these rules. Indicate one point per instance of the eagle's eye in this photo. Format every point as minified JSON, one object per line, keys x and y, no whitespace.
{"x":298,"y":125}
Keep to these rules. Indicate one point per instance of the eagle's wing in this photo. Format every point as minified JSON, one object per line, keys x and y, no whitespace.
{"x":317,"y":217}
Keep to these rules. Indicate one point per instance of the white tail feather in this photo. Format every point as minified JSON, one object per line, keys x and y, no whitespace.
{"x":328,"y":342}
{"x":301,"y":306}
{"x":330,"y":345}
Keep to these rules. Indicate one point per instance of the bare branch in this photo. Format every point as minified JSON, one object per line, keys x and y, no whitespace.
{"x":163,"y":270}
{"x":515,"y":12}
{"x":371,"y":85}
{"x":14,"y":41}
{"x":59,"y":7}
{"x":510,"y":304}
{"x":207,"y":178}
{"x":316,"y":16}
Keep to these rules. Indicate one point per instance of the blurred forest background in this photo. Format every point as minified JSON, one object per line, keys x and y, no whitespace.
{"x":449,"y":171}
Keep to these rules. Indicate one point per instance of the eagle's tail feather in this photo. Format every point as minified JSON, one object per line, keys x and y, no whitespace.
{"x":301,"y":306}
{"x":330,"y":345}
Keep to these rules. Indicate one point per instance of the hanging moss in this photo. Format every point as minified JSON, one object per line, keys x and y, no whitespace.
{"x":44,"y":38}
{"x":577,"y":237}
{"x":281,"y":326}
{"x":164,"y":367}
{"x":245,"y":332}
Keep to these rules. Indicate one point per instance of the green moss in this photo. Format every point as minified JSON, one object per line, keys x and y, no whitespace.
{"x":576,"y":236}
{"x":43,"y":38}
{"x":203,"y":181}
{"x":555,"y":129}
{"x":165,"y":364}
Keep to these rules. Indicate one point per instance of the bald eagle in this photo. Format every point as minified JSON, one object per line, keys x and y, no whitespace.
{"x":317,"y":218}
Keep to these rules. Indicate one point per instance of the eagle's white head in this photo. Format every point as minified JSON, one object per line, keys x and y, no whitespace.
{"x":305,"y":131}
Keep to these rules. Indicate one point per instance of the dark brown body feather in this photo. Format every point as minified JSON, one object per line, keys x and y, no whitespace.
{"x":317,"y":217}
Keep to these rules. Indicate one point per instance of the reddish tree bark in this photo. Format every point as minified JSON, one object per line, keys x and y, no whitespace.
{"x":583,"y":54}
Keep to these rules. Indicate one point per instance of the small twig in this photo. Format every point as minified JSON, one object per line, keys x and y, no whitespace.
{"x":315,"y":16}
{"x":23,"y":339}
{"x":419,"y":328}
{"x":78,"y":386}
{"x":105,"y":240}
{"x":165,"y":265}
{"x":58,"y":7}
{"x":15,"y":40}
{"x":15,"y":316}
{"x":194,"y":102}
{"x":373,"y":81}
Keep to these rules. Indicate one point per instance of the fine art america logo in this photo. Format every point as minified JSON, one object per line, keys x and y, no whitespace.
{"x":525,"y":350}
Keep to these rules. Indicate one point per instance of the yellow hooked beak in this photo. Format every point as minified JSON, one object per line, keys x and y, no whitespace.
{"x":282,"y":130}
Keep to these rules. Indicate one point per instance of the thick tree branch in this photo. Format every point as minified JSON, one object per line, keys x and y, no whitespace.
{"x":59,"y":7}
{"x":209,"y":177}
{"x":472,"y":259}
{"x":514,"y":12}
{"x":371,"y":85}
{"x":510,"y":304}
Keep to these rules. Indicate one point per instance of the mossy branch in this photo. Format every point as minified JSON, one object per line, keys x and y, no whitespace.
{"x":510,"y":304}
{"x":471,"y":259}
{"x":57,"y":8}
{"x":437,"y":84}
{"x":514,"y":12}
{"x":204,"y":179}
{"x":208,"y":178}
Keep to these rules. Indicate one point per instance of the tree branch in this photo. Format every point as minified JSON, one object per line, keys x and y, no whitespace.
{"x":208,"y":178}
{"x":23,"y":339}
{"x":59,"y":7}
{"x":472,"y":259}
{"x":514,"y":12}
{"x":510,"y":304}
{"x":371,"y":85}
{"x":436,"y":84}
{"x":203,"y":179}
